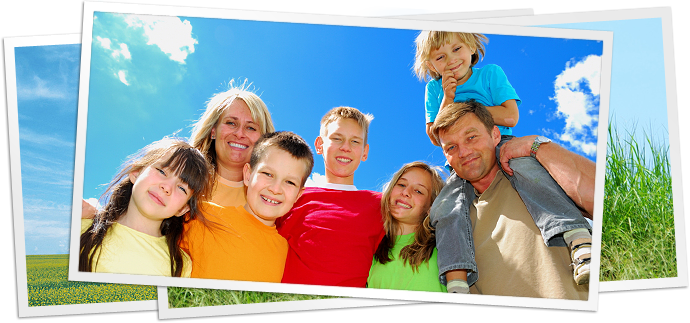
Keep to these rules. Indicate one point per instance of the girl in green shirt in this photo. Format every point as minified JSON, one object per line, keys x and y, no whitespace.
{"x":406,"y":258}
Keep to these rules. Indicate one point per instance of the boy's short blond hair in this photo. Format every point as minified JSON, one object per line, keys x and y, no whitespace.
{"x":428,"y":41}
{"x":346,"y":113}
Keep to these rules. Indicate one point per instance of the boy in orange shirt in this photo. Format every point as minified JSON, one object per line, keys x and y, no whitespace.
{"x":242,"y":243}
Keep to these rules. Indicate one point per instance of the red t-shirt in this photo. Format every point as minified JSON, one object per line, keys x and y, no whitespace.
{"x":332,"y":235}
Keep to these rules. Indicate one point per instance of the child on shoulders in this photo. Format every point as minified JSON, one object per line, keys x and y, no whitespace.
{"x":448,"y":60}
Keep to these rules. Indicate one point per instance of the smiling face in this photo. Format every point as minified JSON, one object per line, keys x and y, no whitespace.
{"x":410,"y":198}
{"x":471,"y":150}
{"x":158,"y":193}
{"x":343,"y":149}
{"x":235,"y":135}
{"x":455,"y":56}
{"x":273,"y":185}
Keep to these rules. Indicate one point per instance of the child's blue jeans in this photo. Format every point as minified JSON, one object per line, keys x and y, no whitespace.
{"x":552,"y":211}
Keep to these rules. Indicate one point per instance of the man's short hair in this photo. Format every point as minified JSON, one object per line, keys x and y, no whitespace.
{"x":456,"y":110}
{"x":288,"y":142}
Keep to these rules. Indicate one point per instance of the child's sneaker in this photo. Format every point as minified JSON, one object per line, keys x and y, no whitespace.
{"x":581,"y":256}
{"x":458,"y":286}
{"x":580,"y":243}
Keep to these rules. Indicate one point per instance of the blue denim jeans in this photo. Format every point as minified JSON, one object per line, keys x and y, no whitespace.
{"x":551,"y":209}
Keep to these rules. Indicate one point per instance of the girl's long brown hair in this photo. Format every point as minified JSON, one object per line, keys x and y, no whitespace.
{"x":184,"y":161}
{"x":422,"y":248}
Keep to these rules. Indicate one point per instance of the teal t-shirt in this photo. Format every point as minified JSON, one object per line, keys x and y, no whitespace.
{"x":487,"y":85}
{"x":397,"y":275}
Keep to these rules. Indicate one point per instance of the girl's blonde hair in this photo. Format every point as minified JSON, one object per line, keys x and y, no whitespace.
{"x":428,"y":41}
{"x":424,"y":243}
{"x":185,"y":162}
{"x":216,"y":105}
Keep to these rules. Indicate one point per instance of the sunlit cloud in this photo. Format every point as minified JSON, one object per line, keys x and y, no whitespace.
{"x":316,"y":180}
{"x":123,"y":50}
{"x":172,"y":35}
{"x":577,"y":100}
{"x":122,"y":77}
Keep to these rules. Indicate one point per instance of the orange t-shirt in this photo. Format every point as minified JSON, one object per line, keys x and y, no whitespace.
{"x":235,"y":246}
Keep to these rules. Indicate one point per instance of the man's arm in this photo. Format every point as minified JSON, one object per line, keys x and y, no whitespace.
{"x":574,"y":173}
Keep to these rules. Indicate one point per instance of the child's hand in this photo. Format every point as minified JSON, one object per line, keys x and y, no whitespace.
{"x":449,"y":84}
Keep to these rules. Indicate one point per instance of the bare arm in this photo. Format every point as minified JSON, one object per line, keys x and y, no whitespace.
{"x":506,"y":114}
{"x":88,"y":211}
{"x":574,"y":173}
{"x":431,"y":136}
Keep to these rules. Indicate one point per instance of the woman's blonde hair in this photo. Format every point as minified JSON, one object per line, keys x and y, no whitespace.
{"x":216,"y":105}
{"x":424,"y":243}
{"x":428,"y":41}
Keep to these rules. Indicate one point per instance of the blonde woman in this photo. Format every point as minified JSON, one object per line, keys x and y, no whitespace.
{"x":226,"y":133}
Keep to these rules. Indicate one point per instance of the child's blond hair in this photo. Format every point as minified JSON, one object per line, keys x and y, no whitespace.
{"x":428,"y":41}
{"x":338,"y":113}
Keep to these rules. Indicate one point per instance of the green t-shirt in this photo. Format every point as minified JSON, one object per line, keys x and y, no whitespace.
{"x":397,"y":275}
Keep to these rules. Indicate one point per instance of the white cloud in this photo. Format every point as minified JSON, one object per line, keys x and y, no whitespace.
{"x":122,"y":77}
{"x":124,"y":51}
{"x":316,"y":180}
{"x":172,"y":35}
{"x":577,"y":99}
{"x":46,"y":229}
{"x":116,"y":53}
{"x":105,"y":42}
{"x":48,"y":140}
{"x":40,"y":89}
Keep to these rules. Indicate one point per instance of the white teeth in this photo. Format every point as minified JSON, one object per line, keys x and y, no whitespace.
{"x":403,"y":205}
{"x":343,"y":160}
{"x":269,"y":200}
{"x":232,"y":144}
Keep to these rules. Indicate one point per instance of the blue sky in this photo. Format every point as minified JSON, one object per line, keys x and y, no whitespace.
{"x":47,"y":83}
{"x":638,"y":85}
{"x":150,"y":76}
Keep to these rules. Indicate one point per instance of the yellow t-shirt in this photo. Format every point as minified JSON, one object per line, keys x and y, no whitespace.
{"x":128,"y":251}
{"x":512,"y":259}
{"x":228,"y":193}
{"x":237,"y":247}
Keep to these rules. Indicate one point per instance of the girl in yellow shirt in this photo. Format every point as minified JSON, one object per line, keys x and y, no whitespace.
{"x":139,"y":229}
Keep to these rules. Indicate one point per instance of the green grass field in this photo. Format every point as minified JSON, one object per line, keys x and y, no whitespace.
{"x":638,"y":234}
{"x":195,"y":297}
{"x":46,"y":279}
